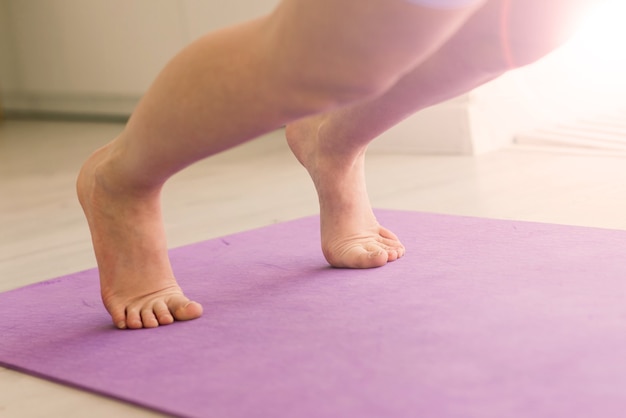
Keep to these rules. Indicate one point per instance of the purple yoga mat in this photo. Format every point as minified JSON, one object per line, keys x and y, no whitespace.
{"x":481,"y":318}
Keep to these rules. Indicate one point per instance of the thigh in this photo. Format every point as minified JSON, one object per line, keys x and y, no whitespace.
{"x":444,"y":4}
{"x":360,"y":37}
{"x":505,"y":34}
{"x":532,"y":28}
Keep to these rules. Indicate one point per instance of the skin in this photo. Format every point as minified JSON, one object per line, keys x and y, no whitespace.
{"x":332,"y":145}
{"x":309,"y":65}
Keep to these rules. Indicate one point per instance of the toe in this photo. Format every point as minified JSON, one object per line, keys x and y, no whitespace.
{"x":376,"y":257}
{"x":148,"y":318}
{"x":393,"y":248}
{"x":161,"y":308}
{"x":118,"y":316}
{"x":162,"y":313}
{"x":363,"y":257}
{"x":392,"y":254}
{"x":133,"y":319}
{"x":187,"y":311}
{"x":386,"y":233}
{"x":119,"y":321}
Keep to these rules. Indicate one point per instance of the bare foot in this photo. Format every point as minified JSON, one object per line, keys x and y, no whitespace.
{"x":136,"y":280}
{"x":351,"y":235}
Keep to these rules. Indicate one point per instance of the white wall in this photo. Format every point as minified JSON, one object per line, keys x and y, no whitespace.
{"x":111,"y":47}
{"x":7,"y":70}
{"x":201,"y":16}
{"x":99,"y":56}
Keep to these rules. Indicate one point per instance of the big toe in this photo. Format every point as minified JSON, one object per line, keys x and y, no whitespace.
{"x":361,"y":257}
{"x":187,"y":311}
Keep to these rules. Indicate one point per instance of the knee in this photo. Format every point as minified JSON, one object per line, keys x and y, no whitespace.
{"x":308,"y":90}
{"x":521,"y":48}
{"x":503,"y":51}
{"x":315,"y":82}
{"x":508,"y":34}
{"x":531,"y":29}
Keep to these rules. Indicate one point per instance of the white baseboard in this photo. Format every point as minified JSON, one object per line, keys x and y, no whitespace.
{"x":448,"y":128}
{"x":21,"y":103}
{"x":441,"y":129}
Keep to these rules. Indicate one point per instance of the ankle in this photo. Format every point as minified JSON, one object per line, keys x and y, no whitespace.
{"x":111,"y":175}
{"x":335,"y":143}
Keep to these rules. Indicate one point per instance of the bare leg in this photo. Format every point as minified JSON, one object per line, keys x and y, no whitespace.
{"x":332,"y":145}
{"x":307,"y":57}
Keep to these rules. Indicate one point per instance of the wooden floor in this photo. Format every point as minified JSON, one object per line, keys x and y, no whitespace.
{"x":43,"y":234}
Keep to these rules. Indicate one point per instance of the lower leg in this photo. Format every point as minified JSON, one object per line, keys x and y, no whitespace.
{"x":332,"y":145}
{"x":227,"y":88}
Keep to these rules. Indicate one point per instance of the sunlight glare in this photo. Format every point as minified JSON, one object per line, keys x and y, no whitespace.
{"x":599,"y":43}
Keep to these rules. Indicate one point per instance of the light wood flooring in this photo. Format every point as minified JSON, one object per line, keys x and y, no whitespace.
{"x":43,"y":234}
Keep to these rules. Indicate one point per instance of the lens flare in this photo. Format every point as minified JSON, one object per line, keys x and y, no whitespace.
{"x":597,"y":50}
{"x":585,"y":76}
